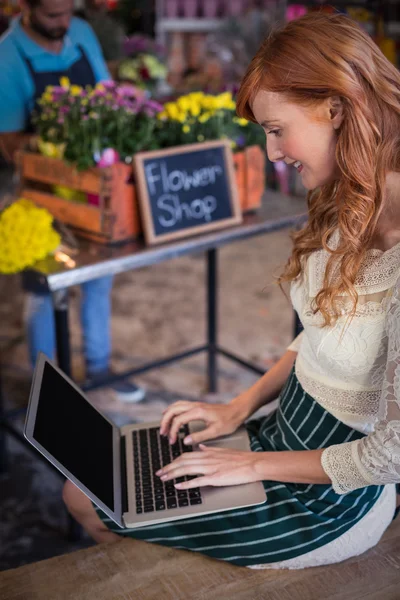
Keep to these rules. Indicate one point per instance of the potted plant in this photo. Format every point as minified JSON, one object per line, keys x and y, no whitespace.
{"x":87,"y":139}
{"x":199,"y":117}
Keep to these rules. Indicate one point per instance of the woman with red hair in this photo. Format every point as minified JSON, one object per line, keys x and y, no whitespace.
{"x":329,"y":456}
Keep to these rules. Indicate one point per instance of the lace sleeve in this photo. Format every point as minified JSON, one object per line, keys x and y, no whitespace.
{"x":375,"y":459}
{"x":295,"y":345}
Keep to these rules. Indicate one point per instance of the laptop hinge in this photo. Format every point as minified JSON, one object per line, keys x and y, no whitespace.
{"x":124,"y":486}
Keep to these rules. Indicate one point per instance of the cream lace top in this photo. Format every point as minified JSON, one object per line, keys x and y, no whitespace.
{"x":353,"y":368}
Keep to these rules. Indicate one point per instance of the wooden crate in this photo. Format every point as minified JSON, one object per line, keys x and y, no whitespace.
{"x":250,"y":176}
{"x":116,"y":219}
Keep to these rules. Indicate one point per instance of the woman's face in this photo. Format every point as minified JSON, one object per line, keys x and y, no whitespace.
{"x":299,"y":136}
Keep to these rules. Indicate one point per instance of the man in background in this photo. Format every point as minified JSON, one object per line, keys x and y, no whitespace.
{"x":42,"y":45}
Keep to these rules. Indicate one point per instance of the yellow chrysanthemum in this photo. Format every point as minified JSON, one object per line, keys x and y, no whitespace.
{"x":172,"y":110}
{"x":75,"y":90}
{"x":205,"y":117}
{"x":183,"y":103}
{"x":65,"y":82}
{"x":162,"y":116}
{"x":240,"y":121}
{"x":51,"y":150}
{"x":186,"y":129}
{"x":26,"y":236}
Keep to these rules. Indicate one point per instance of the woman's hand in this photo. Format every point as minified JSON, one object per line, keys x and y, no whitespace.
{"x":217,"y":467}
{"x":220,"y":419}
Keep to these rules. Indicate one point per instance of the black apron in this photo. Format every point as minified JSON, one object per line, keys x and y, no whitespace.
{"x":79,"y":73}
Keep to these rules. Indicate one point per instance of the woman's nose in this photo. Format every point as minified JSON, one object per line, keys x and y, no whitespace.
{"x":274,"y":153}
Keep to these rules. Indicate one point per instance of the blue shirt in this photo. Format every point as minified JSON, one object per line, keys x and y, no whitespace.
{"x":16,"y":84}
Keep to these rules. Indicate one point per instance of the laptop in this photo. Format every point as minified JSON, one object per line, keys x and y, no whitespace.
{"x":115,"y":467}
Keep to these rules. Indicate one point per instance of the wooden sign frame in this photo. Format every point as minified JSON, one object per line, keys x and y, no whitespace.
{"x":151,"y":237}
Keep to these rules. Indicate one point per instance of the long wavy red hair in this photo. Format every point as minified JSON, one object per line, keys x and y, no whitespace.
{"x":309,"y":60}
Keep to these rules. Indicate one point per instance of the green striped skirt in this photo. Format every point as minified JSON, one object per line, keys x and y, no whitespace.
{"x":296,"y":518}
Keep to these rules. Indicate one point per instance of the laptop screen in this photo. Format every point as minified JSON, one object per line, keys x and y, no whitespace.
{"x":79,"y":437}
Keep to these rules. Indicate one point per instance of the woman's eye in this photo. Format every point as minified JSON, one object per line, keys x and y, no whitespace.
{"x":276,"y":132}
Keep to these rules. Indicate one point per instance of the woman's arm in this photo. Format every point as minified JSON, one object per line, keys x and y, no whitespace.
{"x":267,"y":388}
{"x":293,"y":466}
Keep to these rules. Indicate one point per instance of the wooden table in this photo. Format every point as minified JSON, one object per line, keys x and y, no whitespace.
{"x":135,"y":570}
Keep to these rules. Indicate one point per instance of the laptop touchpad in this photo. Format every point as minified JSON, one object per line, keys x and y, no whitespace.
{"x":238,"y":440}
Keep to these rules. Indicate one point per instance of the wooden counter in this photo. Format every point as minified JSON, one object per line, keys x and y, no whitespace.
{"x":134,"y":570}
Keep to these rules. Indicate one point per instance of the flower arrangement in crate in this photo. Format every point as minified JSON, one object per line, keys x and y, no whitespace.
{"x":87,"y":137}
{"x":81,"y":125}
{"x":144,"y":65}
{"x":26,"y":236}
{"x":199,"y":117}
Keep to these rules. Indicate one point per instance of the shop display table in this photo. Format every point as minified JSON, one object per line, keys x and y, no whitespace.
{"x":92,"y":261}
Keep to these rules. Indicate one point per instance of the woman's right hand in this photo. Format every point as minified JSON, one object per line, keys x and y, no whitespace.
{"x":220,"y":419}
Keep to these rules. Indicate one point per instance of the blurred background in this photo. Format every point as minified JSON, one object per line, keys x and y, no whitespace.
{"x":168,"y":50}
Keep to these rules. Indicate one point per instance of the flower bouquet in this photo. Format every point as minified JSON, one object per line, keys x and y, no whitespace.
{"x":26,"y":236}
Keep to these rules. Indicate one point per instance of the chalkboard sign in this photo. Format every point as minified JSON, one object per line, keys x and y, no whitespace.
{"x":186,"y":190}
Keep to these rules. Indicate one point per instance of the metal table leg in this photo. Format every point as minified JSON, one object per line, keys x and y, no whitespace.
{"x":60,"y":301}
{"x":212,"y":319}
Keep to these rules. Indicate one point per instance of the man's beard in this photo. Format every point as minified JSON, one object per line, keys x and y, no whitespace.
{"x":54,"y":35}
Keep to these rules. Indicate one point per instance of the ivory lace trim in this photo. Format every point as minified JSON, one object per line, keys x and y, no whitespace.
{"x":339,"y":464}
{"x":379,"y":271}
{"x":360,"y":403}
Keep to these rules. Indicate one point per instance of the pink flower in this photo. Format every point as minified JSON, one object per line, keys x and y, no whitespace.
{"x":108,"y":158}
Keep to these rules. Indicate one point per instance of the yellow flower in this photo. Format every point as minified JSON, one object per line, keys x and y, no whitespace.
{"x":186,"y":129}
{"x":47,"y":97}
{"x":172,"y":110}
{"x":209,"y":102}
{"x":26,"y":235}
{"x":241,"y":122}
{"x":183,"y":103}
{"x":205,"y":117}
{"x":75,"y":90}
{"x":51,"y":150}
{"x":65,"y":82}
{"x":225,"y":101}
{"x":200,"y":138}
{"x":195,"y":108}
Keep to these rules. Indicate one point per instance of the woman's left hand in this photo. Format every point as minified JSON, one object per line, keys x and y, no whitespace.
{"x":215,"y":466}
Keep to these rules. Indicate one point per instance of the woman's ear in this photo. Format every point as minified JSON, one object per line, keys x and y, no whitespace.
{"x":336,"y":111}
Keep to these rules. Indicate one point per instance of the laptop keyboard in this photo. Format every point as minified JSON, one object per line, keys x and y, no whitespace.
{"x":151,"y":452}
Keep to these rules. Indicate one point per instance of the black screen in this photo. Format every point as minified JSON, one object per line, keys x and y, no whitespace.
{"x":79,"y":437}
